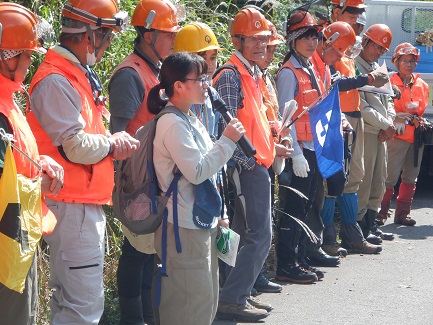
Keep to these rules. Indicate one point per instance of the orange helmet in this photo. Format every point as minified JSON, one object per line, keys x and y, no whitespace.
{"x":340,"y":35}
{"x":275,"y":38}
{"x":349,"y":3}
{"x":156,"y":14}
{"x":405,"y":49}
{"x":380,"y":34}
{"x":19,"y":28}
{"x":99,"y":13}
{"x":249,"y":22}
{"x":300,"y":20}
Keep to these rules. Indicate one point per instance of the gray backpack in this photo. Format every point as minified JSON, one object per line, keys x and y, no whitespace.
{"x":137,"y":199}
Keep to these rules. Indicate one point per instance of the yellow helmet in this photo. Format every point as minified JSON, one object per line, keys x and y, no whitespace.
{"x":196,"y":37}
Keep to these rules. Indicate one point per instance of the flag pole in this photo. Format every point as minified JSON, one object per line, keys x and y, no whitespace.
{"x":10,"y":139}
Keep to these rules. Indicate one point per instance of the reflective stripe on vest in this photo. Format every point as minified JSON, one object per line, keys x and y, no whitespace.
{"x":149,"y":80}
{"x":83,"y":183}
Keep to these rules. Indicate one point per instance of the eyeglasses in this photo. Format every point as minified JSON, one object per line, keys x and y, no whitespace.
{"x":409,"y":62}
{"x":255,"y":40}
{"x":378,"y":47}
{"x":202,"y":80}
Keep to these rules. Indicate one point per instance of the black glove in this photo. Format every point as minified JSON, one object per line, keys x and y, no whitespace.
{"x":397,"y":92}
{"x":380,"y":78}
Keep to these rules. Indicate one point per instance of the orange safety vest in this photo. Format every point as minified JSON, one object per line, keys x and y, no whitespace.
{"x":270,"y":101}
{"x":350,"y":100}
{"x":305,"y":97}
{"x":417,"y":93}
{"x":149,"y":80}
{"x":83,"y":183}
{"x":322,"y":70}
{"x":253,"y":114}
{"x":25,"y":141}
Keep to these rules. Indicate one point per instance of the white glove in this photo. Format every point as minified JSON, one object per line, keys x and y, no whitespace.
{"x":300,"y":166}
{"x":403,"y":115}
{"x":400,"y":128}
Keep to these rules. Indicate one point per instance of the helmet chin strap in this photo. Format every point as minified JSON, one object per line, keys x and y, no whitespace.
{"x":152,"y":46}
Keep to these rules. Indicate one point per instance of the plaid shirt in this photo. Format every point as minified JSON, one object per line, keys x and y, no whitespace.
{"x":228,"y":86}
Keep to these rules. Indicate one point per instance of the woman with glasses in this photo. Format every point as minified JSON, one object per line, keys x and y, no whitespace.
{"x":189,"y":294}
{"x":298,"y":80}
{"x":410,"y":106}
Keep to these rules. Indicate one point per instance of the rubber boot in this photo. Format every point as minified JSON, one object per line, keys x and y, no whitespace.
{"x":146,"y":302}
{"x":350,"y":233}
{"x":131,"y":312}
{"x":370,"y":218}
{"x":404,"y":204}
{"x":384,"y":206}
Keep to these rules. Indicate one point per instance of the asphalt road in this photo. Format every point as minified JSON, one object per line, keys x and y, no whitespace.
{"x":393,"y":287}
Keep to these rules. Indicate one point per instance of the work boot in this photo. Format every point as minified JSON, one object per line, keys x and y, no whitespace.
{"x":371,"y":218}
{"x":404,"y":204}
{"x":255,"y":302}
{"x":131,"y":311}
{"x":264,"y":285}
{"x":384,"y":207}
{"x":241,"y":313}
{"x":320,"y":275}
{"x":320,"y":258}
{"x":365,"y":225}
{"x":334,"y":249}
{"x":362,"y":247}
{"x":295,"y":274}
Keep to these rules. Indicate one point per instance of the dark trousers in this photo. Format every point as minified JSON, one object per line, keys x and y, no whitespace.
{"x":291,"y":247}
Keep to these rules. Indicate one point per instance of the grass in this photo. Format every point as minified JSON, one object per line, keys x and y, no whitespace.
{"x":217,"y":15}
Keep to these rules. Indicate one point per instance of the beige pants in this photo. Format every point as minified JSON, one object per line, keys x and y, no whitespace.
{"x":401,"y":157}
{"x":373,"y":185}
{"x":356,"y":173}
{"x":189,"y":295}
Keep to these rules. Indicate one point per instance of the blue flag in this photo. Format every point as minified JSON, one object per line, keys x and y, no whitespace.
{"x":325,"y":121}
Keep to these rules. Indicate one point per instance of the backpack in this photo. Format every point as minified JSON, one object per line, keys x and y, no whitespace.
{"x":137,"y":200}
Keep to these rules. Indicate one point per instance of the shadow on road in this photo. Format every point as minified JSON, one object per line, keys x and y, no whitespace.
{"x":403,"y":232}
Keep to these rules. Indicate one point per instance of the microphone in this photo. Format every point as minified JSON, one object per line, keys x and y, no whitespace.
{"x":243,"y":142}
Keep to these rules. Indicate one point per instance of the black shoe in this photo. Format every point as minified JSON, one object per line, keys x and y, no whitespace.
{"x":322,"y":259}
{"x":264,"y":285}
{"x":320,"y":274}
{"x":375,"y":240}
{"x":296,"y":274}
{"x":383,"y":235}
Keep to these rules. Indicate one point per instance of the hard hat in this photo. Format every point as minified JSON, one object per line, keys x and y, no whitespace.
{"x":340,"y":35}
{"x":275,"y":38}
{"x":99,"y":13}
{"x":349,"y":3}
{"x":249,"y":22}
{"x":301,"y":19}
{"x":19,"y":28}
{"x":156,"y":14}
{"x":405,"y":49}
{"x":380,"y":34}
{"x":194,"y":38}
{"x":362,"y":19}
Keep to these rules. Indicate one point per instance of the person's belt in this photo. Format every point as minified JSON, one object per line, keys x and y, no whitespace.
{"x":353,"y":114}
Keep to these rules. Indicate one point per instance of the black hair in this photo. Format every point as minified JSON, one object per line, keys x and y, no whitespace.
{"x":309,"y":33}
{"x":174,"y":68}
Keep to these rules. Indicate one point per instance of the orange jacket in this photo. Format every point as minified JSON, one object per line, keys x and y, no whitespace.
{"x":322,"y":70}
{"x":305,"y":97}
{"x":82,"y":183}
{"x":25,"y":141}
{"x":149,"y":81}
{"x":349,"y":100}
{"x":417,"y":93}
{"x":253,"y":114}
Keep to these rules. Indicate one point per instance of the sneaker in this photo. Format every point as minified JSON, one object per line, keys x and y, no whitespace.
{"x":295,"y":274}
{"x":363,"y":247}
{"x":264,"y":285}
{"x":241,"y":313}
{"x":320,"y":274}
{"x":334,"y":249}
{"x":255,"y":302}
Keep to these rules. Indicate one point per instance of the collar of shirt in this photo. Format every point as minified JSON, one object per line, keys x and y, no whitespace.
{"x":368,"y":66}
{"x":253,"y":70}
{"x":68,"y":55}
{"x":155,"y":68}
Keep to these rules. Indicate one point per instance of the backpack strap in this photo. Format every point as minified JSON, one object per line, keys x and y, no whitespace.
{"x":234,"y":69}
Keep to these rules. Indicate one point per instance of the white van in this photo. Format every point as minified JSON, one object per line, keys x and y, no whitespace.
{"x":407,"y":20}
